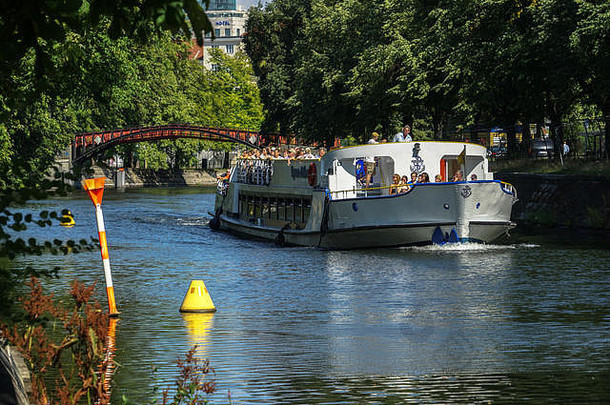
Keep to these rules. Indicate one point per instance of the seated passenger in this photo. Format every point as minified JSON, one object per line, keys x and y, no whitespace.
{"x":395,"y":184}
{"x":458,"y":176}
{"x":404,"y":186}
{"x":224,"y":176}
{"x":473,"y":177}
{"x":307,"y":154}
{"x":409,"y":184}
{"x":423,"y":178}
{"x":414,"y":177}
{"x":438,"y":178}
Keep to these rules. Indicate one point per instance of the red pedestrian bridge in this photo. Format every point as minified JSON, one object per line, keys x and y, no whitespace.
{"x":89,"y":145}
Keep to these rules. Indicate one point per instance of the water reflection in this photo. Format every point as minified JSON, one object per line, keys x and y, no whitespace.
{"x":198,"y":328}
{"x":108,"y":365}
{"x":458,"y":324}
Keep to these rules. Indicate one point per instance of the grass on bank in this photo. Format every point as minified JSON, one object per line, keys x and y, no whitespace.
{"x":570,"y":166}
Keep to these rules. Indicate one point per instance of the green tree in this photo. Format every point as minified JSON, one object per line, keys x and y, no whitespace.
{"x":347,"y":66}
{"x":324,"y":103}
{"x":591,"y":43}
{"x":270,"y":40}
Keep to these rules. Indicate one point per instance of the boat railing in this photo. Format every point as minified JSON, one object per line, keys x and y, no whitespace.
{"x":221,"y":186}
{"x":363,"y":192}
{"x":253,"y":171}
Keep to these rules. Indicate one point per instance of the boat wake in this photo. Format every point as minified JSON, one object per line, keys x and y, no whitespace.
{"x":468,"y":247}
{"x":193,"y":221}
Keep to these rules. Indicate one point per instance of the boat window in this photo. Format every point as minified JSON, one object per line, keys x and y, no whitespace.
{"x":289,"y":209}
{"x":250,"y":206}
{"x":382,"y":173}
{"x":306,"y":209}
{"x":298,"y":210}
{"x":275,"y":210}
{"x":449,"y":165}
{"x":272,"y":208}
{"x":265,"y":207}
{"x":281,"y":209}
{"x":258,"y":211}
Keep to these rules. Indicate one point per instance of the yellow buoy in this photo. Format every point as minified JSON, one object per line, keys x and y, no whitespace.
{"x":67,"y":220}
{"x":197,"y":299}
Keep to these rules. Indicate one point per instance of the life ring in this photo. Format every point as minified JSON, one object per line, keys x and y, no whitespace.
{"x":312,"y":176}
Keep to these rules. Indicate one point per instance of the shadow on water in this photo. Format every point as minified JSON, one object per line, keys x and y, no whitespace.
{"x":558,"y":237}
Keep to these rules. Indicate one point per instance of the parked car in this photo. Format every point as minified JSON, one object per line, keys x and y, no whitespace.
{"x":542,"y":148}
{"x":496,"y":152}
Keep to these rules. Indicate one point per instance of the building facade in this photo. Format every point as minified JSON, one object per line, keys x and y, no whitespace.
{"x":228,"y":21}
{"x":222,"y":5}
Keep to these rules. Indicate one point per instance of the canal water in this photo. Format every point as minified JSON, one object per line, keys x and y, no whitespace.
{"x":517,"y":322}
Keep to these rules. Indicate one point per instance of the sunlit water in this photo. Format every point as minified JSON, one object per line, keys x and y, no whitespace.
{"x":506,"y":323}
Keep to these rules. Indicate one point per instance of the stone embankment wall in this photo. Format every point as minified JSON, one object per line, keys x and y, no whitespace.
{"x":561,"y":200}
{"x":545,"y":199}
{"x":151,"y":178}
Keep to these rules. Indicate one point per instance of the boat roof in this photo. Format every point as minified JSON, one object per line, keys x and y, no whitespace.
{"x":407,"y":149}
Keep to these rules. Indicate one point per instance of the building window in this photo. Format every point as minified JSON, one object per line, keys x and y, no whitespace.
{"x":230,"y":49}
{"x":238,"y":32}
{"x":222,"y":5}
{"x":227,"y":32}
{"x":207,"y":34}
{"x":217,"y":32}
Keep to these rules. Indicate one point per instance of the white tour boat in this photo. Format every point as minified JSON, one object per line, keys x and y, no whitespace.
{"x":325,"y":202}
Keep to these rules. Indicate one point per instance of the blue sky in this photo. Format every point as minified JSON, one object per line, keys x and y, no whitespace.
{"x":248,"y":3}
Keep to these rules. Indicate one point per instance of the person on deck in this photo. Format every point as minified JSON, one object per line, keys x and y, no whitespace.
{"x":369,"y":165}
{"x":374,"y":138}
{"x":404,"y":136}
{"x":395,"y":184}
{"x":404,"y":187}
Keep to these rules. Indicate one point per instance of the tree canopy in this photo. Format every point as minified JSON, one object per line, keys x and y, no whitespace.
{"x":108,"y":69}
{"x":333,"y":67}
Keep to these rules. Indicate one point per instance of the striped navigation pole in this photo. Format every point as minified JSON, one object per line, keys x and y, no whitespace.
{"x":95,"y":190}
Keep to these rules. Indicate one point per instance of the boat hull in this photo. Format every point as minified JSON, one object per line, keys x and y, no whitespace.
{"x":471,"y":211}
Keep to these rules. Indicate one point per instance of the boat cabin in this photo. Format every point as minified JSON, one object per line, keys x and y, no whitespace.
{"x":345,"y":169}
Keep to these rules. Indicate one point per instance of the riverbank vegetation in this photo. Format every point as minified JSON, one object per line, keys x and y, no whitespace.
{"x":111,"y":68}
{"x":338,"y":68}
{"x":573,"y":167}
{"x":69,"y":67}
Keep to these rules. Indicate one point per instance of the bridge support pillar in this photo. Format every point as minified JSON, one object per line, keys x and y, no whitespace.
{"x":119,"y":179}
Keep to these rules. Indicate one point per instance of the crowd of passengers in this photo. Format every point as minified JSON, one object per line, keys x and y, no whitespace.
{"x":403,"y":184}
{"x":272,"y":152}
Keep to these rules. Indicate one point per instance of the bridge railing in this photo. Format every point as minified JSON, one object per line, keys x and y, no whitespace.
{"x":88,"y":144}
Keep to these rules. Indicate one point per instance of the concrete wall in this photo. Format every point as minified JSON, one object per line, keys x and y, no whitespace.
{"x":565,"y":200}
{"x":150,"y":178}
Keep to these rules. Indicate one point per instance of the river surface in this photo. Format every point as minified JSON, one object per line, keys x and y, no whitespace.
{"x":521,"y":321}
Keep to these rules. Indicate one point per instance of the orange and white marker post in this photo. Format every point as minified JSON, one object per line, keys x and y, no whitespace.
{"x":95,"y":190}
